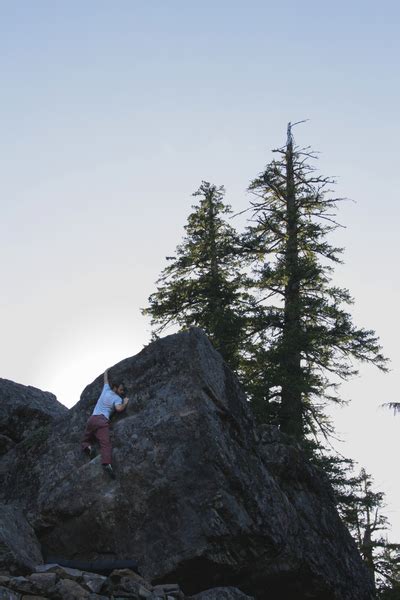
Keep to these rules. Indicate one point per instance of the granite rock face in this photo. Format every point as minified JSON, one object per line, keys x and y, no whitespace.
{"x":202,"y":497}
{"x":19,"y":547}
{"x":25,"y":410}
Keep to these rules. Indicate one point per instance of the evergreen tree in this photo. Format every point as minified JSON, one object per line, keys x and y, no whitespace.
{"x":202,"y":285}
{"x":388,"y":567}
{"x":361,"y":509}
{"x":308,"y":339}
{"x":395,"y":406}
{"x":364,"y":518}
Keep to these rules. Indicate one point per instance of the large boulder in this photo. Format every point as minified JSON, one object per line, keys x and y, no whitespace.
{"x":201,"y":497}
{"x":24,"y":411}
{"x":27,"y":415}
{"x":19,"y":547}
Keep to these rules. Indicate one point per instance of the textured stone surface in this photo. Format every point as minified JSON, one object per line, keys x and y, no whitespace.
{"x":24,"y":410}
{"x":222,"y":593}
{"x":21,"y":584}
{"x":200,"y":497}
{"x":7,"y":594}
{"x":55,"y":583}
{"x":63,"y":572}
{"x":67,"y":589}
{"x":94,"y":582}
{"x":120,"y":574}
{"x":6,"y":444}
{"x":46,"y":568}
{"x":19,"y":547}
{"x":43,"y":582}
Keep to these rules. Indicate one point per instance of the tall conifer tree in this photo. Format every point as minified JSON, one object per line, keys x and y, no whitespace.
{"x":202,"y":285}
{"x":309,"y":340}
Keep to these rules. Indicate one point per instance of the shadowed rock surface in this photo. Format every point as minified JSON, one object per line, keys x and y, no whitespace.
{"x":202,"y":498}
{"x":19,"y":547}
{"x":25,"y":410}
{"x":53,"y":582}
{"x":221,"y":593}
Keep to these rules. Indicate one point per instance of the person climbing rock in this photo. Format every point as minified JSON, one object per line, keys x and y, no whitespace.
{"x":98,"y":425}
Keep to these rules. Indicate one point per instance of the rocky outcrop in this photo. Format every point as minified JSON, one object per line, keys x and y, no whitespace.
{"x":19,"y":547}
{"x":202,"y":497}
{"x":221,"y":593}
{"x":54,"y":582}
{"x":24,"y":411}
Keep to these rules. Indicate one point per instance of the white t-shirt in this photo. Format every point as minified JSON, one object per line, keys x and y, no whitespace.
{"x":106,"y":402}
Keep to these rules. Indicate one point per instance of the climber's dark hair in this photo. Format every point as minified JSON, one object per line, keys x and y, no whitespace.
{"x":115,"y":383}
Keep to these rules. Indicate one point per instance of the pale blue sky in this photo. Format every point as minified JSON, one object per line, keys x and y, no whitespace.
{"x":112,"y":113}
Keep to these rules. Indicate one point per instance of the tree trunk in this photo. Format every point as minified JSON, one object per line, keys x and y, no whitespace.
{"x":291,"y":418}
{"x":214,"y":292}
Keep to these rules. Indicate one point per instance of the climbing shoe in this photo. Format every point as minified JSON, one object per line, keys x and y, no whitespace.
{"x":90,"y":451}
{"x":109,"y":470}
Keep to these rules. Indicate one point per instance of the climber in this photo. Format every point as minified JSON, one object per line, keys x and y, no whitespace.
{"x":98,"y":425}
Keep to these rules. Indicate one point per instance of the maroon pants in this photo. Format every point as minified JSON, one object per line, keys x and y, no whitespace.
{"x":98,"y":428}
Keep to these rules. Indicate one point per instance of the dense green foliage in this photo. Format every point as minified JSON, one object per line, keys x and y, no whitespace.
{"x":361,"y":508}
{"x":266,"y":298}
{"x":203,"y":284}
{"x":308,"y":342}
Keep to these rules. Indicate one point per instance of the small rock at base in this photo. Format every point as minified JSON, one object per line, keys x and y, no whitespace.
{"x":118,"y":574}
{"x":221,"y":593}
{"x":22,"y":585}
{"x":6,"y":594}
{"x":144,"y":593}
{"x":44,"y":582}
{"x":94,"y":582}
{"x":70,"y":590}
{"x":47,"y":567}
